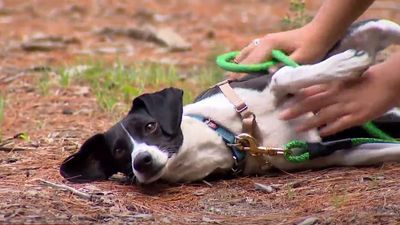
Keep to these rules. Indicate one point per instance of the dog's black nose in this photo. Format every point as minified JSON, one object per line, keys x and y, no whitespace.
{"x":143,"y":161}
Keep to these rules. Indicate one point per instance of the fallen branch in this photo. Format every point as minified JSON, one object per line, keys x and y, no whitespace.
{"x":68,"y":188}
{"x":13,"y":149}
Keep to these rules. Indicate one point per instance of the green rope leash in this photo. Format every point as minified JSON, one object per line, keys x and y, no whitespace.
{"x":360,"y":141}
{"x":282,"y":57}
{"x":376,"y":132}
{"x":225,"y":62}
{"x":303,"y":146}
{"x":288,"y":154}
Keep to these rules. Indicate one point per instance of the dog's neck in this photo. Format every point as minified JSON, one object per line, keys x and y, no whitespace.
{"x":199,"y":137}
{"x":202,"y":147}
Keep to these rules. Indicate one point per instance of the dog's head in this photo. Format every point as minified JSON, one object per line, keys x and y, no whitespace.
{"x":140,"y":144}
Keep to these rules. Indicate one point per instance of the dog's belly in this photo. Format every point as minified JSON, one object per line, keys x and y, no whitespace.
{"x":270,"y":130}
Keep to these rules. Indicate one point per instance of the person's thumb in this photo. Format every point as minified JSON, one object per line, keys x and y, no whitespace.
{"x":299,"y":57}
{"x":306,"y":56}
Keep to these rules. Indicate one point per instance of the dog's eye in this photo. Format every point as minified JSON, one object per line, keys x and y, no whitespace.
{"x":118,"y":152}
{"x":150,"y":127}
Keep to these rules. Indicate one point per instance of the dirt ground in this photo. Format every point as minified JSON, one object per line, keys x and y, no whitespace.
{"x":57,"y":123}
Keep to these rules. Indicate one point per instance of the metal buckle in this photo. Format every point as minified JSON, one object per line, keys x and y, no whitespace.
{"x":246,"y":142}
{"x":242,"y":107}
{"x":210,"y":123}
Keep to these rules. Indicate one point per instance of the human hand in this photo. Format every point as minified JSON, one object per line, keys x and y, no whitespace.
{"x":302,"y":45}
{"x":344,"y":104}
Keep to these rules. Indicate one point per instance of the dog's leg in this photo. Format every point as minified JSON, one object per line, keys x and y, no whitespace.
{"x":348,"y":64}
{"x":363,"y":155}
{"x":367,"y":154}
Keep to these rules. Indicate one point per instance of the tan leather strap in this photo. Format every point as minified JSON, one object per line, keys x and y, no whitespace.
{"x":248,"y":117}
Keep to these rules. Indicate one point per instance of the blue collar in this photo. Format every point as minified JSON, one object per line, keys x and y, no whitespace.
{"x":227,"y":136}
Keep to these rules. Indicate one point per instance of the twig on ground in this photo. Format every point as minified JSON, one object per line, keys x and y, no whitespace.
{"x":68,"y":188}
{"x":9,"y":79}
{"x":13,"y":149}
{"x":207,"y":183}
{"x":290,"y":174}
{"x":7,"y":141}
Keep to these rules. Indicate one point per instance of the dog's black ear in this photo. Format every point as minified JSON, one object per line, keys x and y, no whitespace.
{"x":165,"y":106}
{"x":93,"y":161}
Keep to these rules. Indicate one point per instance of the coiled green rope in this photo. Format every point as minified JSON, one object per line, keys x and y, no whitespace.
{"x":288,"y":154}
{"x":303,"y":146}
{"x":225,"y":61}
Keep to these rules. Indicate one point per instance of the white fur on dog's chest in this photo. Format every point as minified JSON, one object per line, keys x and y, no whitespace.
{"x":270,"y":130}
{"x":273,"y":131}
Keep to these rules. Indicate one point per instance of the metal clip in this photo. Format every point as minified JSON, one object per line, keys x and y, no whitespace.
{"x":246,"y":142}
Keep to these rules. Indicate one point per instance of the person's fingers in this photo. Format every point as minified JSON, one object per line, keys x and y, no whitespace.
{"x":259,"y":50}
{"x":298,"y":56}
{"x":342,"y":123}
{"x":313,"y":90}
{"x":308,"y":104}
{"x":304,"y":56}
{"x":244,"y":53}
{"x":324,"y":116}
{"x":257,"y":55}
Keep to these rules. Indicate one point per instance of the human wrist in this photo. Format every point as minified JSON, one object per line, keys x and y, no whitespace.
{"x":323,"y":36}
{"x":316,"y":39}
{"x":388,"y":74}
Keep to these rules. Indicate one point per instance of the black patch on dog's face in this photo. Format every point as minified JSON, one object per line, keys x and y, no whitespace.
{"x":154,"y":119}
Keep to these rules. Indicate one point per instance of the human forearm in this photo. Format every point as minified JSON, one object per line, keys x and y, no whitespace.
{"x":334,"y":17}
{"x":310,"y":43}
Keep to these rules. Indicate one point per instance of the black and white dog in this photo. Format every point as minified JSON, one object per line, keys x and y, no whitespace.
{"x":161,"y":139}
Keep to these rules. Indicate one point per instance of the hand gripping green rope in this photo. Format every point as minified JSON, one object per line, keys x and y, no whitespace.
{"x":225,"y":62}
{"x":326,"y":146}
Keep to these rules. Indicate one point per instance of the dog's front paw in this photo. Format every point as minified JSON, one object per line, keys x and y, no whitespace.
{"x":350,"y":63}
{"x":283,"y":79}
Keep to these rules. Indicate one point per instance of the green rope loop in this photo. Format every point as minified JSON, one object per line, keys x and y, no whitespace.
{"x":282,"y":57}
{"x":296,"y":158}
{"x":225,"y":62}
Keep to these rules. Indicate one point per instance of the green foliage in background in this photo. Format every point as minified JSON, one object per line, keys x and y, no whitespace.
{"x":297,"y":16}
{"x":118,"y":83}
{"x":2,"y":105}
